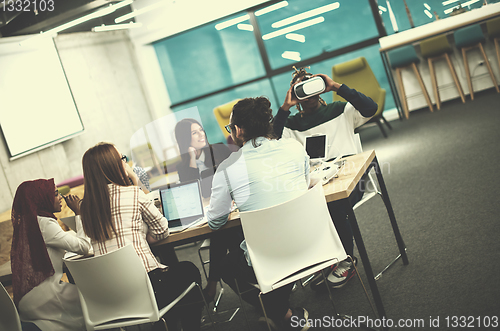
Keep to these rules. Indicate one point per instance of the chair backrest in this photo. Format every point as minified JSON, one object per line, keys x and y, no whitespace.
{"x":222,"y":114}
{"x":493,"y":27}
{"x":358,"y":75}
{"x":114,"y":286}
{"x":291,"y":240}
{"x":9,"y":318}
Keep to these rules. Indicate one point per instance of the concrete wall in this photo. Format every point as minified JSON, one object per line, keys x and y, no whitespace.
{"x":105,"y":80}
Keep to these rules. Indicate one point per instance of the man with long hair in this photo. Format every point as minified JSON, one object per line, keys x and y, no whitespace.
{"x":338,"y":120}
{"x":263,"y":173}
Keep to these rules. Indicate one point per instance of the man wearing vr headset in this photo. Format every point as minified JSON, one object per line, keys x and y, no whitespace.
{"x":338,"y":120}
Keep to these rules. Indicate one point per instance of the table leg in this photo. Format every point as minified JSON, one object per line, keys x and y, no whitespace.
{"x":392,"y":85}
{"x":364,"y":258}
{"x":390,"y":211}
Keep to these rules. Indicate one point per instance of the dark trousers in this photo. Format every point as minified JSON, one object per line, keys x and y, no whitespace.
{"x":338,"y":212}
{"x":169,"y":284}
{"x":220,"y":243}
{"x":236,"y":267}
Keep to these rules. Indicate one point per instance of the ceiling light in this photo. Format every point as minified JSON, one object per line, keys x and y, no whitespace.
{"x":428,"y":13}
{"x":427,"y":6}
{"x":296,"y":37}
{"x":140,"y":11}
{"x":231,"y":22}
{"x":446,"y":3}
{"x":271,"y":8}
{"x":293,"y":28}
{"x":382,"y":9}
{"x":290,"y":55}
{"x":103,"y":27}
{"x":305,"y":15}
{"x":465,"y":4}
{"x":245,"y":27}
{"x":99,"y":13}
{"x":394,"y":23}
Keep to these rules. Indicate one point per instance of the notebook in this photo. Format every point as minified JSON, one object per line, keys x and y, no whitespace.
{"x":182,"y":205}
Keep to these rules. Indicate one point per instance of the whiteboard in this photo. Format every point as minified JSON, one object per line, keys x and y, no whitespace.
{"x":37,"y":109}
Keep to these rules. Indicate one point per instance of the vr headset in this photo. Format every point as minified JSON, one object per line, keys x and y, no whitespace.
{"x":308,"y":88}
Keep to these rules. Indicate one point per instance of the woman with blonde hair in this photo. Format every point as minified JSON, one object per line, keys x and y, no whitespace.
{"x":116,"y":213}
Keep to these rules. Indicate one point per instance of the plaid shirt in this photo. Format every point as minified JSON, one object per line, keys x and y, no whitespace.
{"x":134,"y":215}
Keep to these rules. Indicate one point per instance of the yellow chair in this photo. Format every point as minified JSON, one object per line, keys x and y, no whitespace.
{"x":493,"y":28}
{"x":358,"y":75}
{"x":467,"y":39}
{"x":436,"y":48}
{"x":222,"y":114}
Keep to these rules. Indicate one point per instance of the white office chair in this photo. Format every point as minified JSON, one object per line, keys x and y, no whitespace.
{"x":115,"y":290}
{"x":9,"y":318}
{"x":291,"y":240}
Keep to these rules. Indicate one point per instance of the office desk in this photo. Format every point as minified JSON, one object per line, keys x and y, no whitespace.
{"x":340,"y":189}
{"x":444,"y":25}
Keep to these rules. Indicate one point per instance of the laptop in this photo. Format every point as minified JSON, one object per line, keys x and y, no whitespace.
{"x":182,"y":205}
{"x":316,"y":147}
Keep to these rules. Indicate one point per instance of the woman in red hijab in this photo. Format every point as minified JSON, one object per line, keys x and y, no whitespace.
{"x":38,"y":246}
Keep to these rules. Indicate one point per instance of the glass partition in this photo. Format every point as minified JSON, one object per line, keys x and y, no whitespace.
{"x":209,"y":58}
{"x":297,"y":30}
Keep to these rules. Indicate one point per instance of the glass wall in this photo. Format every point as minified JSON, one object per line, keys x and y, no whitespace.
{"x":206,"y":105}
{"x":304,"y":29}
{"x":421,"y":12}
{"x":252,"y":53}
{"x":209,"y":58}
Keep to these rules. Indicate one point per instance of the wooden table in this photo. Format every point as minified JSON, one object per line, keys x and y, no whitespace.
{"x":354,"y":168}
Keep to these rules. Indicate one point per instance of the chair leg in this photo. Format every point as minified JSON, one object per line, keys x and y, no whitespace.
{"x":402,"y":93}
{"x":422,"y":86}
{"x":264,"y":311}
{"x":455,"y":78}
{"x":206,"y":305}
{"x":378,"y":121}
{"x":481,"y":48}
{"x":497,"y":48}
{"x":241,"y":303}
{"x":467,"y":73}
{"x":385,"y":121}
{"x":434,"y":83}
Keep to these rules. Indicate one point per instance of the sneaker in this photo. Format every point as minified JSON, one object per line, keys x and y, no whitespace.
{"x":343,"y":273}
{"x":299,"y":320}
{"x":318,"y":282}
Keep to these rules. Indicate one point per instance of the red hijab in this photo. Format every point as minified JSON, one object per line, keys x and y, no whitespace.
{"x":29,"y":258}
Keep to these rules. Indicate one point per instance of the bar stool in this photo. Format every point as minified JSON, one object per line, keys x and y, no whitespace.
{"x":402,"y":58}
{"x":436,"y":48}
{"x":493,"y":28}
{"x":467,"y":39}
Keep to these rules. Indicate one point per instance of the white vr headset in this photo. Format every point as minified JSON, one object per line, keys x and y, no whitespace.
{"x":309,"y":88}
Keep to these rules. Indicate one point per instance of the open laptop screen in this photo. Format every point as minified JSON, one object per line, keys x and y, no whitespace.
{"x":181,"y":202}
{"x":316,"y":146}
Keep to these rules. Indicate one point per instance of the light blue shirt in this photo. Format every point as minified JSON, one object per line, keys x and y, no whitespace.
{"x":258,"y":177}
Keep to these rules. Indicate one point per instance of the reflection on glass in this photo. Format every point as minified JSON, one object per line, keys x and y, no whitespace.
{"x":311,"y":28}
{"x":206,"y":106}
{"x":204,"y":60}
